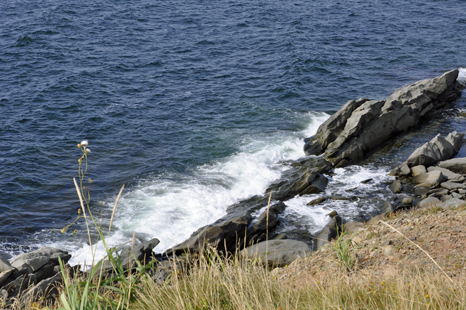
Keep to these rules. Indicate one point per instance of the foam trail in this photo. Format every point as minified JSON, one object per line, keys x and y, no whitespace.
{"x":171,"y":207}
{"x":344,"y":183}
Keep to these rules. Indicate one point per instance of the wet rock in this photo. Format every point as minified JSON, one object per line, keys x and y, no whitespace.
{"x":142,"y":251}
{"x":366,"y":181}
{"x":225,"y":236}
{"x":428,"y":202}
{"x":316,"y":201}
{"x":339,"y":198}
{"x":450,"y":175}
{"x":417,"y":170}
{"x":438,"y":149}
{"x":257,"y":230}
{"x":360,"y":126}
{"x":332,"y":214}
{"x":457,"y":165}
{"x":330,"y":231}
{"x":277,"y":252}
{"x":396,"y":187}
{"x":308,"y":181}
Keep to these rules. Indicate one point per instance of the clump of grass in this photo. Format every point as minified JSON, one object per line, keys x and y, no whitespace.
{"x":342,"y":248}
{"x":98,"y":289}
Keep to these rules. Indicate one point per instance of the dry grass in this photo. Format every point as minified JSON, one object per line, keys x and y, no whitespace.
{"x":232,"y":284}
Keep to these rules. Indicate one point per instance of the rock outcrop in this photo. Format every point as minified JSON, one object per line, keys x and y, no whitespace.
{"x":361,"y":125}
{"x":438,"y":149}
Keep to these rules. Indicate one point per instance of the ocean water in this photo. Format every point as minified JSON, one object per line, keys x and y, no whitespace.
{"x":193,"y":105}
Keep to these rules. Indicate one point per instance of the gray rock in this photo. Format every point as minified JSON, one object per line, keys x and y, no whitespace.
{"x":331,"y":128}
{"x":417,"y":170}
{"x":396,"y":187}
{"x":225,"y":236}
{"x":401,"y":170}
{"x":431,"y":178}
{"x":428,"y":202}
{"x":258,"y":229}
{"x":450,"y":175}
{"x":446,"y":197}
{"x":457,"y":165}
{"x":279,"y":237}
{"x":457,"y":196}
{"x":387,"y":207}
{"x":438,"y":192}
{"x":277,"y":252}
{"x":300,"y":181}
{"x":453,"y":202}
{"x":34,"y":260}
{"x":142,"y":252}
{"x":451,"y":186}
{"x":5,"y":264}
{"x":4,"y":275}
{"x":330,"y":231}
{"x":406,"y":202}
{"x":3,"y":294}
{"x":42,"y":288}
{"x":438,"y":149}
{"x":316,"y":201}
{"x":360,"y":126}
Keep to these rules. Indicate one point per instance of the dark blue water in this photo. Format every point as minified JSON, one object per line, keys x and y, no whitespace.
{"x":162,"y":88}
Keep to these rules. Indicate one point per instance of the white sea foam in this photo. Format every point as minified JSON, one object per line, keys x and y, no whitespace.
{"x":345,"y":182}
{"x":462,"y":75}
{"x":172,"y":207}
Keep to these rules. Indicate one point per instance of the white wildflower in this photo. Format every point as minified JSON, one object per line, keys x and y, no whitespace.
{"x":84,"y":143}
{"x":88,"y":151}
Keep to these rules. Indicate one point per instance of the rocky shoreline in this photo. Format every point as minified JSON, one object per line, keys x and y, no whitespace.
{"x":355,"y":132}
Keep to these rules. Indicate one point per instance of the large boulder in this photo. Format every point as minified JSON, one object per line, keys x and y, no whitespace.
{"x":438,"y":149}
{"x":277,"y":252}
{"x":430,"y":179}
{"x":331,"y":128}
{"x":450,"y":175}
{"x":224,"y":235}
{"x":360,"y":126}
{"x":457,"y":165}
